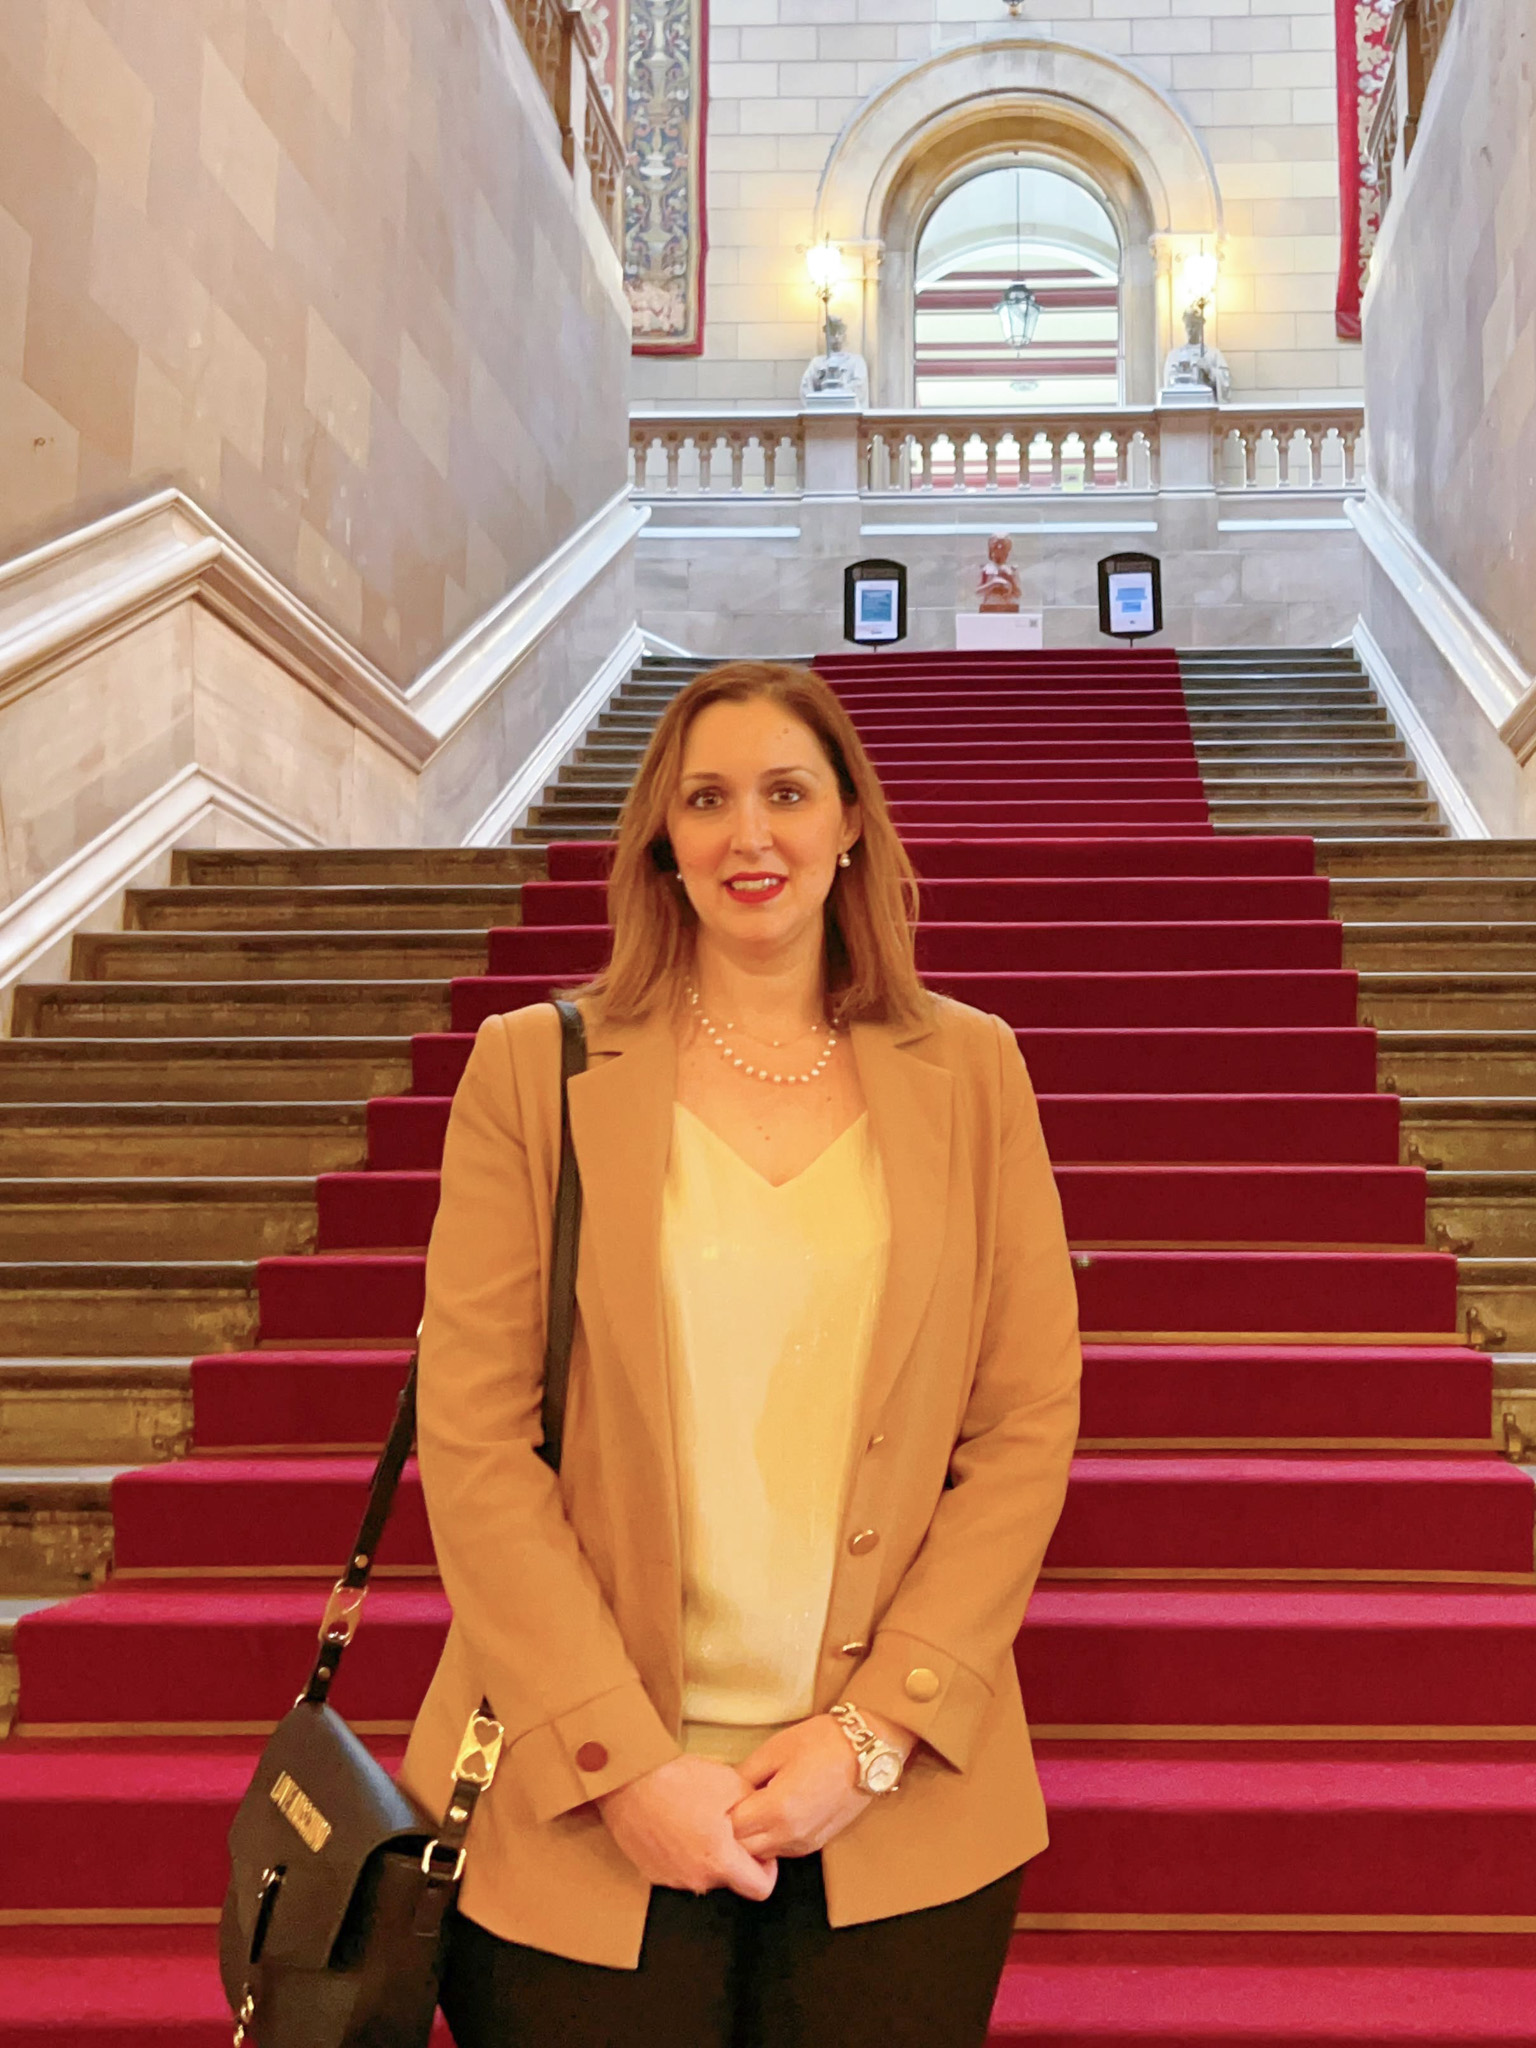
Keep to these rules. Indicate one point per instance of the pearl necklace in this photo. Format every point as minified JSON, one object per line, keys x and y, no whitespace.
{"x":728,"y":1052}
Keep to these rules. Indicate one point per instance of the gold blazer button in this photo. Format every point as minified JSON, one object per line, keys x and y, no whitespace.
{"x":862,"y":1544}
{"x":922,"y":1684}
{"x":591,"y":1757}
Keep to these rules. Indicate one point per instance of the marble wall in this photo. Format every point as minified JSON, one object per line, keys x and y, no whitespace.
{"x":1450,"y":322}
{"x":1253,"y":78}
{"x":1235,"y":572}
{"x":319,"y":264}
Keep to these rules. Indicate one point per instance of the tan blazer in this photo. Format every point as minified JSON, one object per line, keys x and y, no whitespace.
{"x":566,"y":1591}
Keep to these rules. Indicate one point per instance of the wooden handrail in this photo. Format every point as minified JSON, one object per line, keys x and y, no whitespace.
{"x":558,"y":39}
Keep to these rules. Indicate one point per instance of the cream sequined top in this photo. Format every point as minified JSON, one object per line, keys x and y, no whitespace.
{"x":770,"y":1297}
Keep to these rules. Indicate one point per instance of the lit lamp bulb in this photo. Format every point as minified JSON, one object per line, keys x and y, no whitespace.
{"x":1197,"y":288}
{"x":824,"y":260}
{"x":1200,"y":273}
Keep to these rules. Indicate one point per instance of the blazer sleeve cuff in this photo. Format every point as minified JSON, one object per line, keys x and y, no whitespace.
{"x":924,"y":1690}
{"x":592,"y":1750}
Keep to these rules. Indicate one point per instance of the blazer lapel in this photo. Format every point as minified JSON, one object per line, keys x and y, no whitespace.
{"x":621,"y":1126}
{"x":911,"y":1117}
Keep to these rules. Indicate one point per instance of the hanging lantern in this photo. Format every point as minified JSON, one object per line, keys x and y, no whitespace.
{"x":1019,"y":312}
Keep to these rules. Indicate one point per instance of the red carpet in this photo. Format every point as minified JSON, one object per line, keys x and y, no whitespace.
{"x":1281,"y":1671}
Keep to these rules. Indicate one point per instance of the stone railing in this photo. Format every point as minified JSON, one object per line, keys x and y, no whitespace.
{"x":924,"y":451}
{"x":1417,"y":32}
{"x":560,"y":47}
{"x":1125,"y":449}
{"x":763,"y":453}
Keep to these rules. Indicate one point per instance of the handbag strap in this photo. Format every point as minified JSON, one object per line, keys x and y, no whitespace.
{"x":344,"y":1608}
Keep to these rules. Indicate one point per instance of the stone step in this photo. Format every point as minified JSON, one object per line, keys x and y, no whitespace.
{"x":1367,"y":825}
{"x":318,"y":867}
{"x":1387,"y":861}
{"x":276,"y":956}
{"x":55,"y":1529}
{"x":1427,"y":948}
{"x":1457,"y":1062}
{"x":206,"y":1216}
{"x":551,"y":830}
{"x":84,"y":1309}
{"x":431,"y":907}
{"x":1470,"y":1133}
{"x":1309,"y":723}
{"x":107,"y":1410}
{"x":219,"y":1009}
{"x":186,"y":1139}
{"x":1485,"y":898}
{"x":1483,"y":1215}
{"x":203,"y":1069}
{"x":1341,"y":815}
{"x":1296,"y":784}
{"x":1447,"y":1002}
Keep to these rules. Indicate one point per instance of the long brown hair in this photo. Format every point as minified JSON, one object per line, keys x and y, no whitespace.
{"x":871,"y":910}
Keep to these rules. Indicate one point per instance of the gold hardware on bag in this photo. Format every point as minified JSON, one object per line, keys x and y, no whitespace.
{"x":243,"y":2019}
{"x":343,"y":1610}
{"x":480,"y":1751}
{"x":426,"y":1862}
{"x":300,"y":1812}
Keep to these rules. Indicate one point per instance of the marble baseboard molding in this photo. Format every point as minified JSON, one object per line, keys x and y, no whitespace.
{"x":1444,"y":784}
{"x":1485,"y":666}
{"x":89,"y":588}
{"x":526,"y":787}
{"x":156,"y":682}
{"x":85,"y":893}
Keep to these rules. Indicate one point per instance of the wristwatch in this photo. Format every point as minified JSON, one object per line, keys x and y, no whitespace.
{"x":880,"y":1764}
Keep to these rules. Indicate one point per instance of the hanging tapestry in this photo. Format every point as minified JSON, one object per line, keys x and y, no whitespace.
{"x":605,"y":18}
{"x":1364,"y":58}
{"x":666,"y":104}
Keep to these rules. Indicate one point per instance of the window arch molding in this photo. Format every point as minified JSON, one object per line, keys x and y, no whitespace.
{"x":1007,"y":100}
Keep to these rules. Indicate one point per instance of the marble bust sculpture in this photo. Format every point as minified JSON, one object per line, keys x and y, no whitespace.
{"x":998,"y":583}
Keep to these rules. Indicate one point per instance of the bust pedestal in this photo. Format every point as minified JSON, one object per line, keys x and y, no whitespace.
{"x":1013,"y":632}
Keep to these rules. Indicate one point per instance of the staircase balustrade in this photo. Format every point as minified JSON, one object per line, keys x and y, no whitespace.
{"x":1417,"y":34}
{"x":755,"y":449}
{"x":559,"y":43}
{"x":1123,"y":449}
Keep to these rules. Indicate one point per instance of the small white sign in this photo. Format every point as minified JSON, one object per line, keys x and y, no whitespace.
{"x":1130,"y":601}
{"x":1009,"y":632}
{"x":877,"y":609}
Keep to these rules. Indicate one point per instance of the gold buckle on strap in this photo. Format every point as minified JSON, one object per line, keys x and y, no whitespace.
{"x":480,"y":1751}
{"x":343,"y":1611}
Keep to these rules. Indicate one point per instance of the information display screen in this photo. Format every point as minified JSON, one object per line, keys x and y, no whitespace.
{"x":1130,"y":596}
{"x":875,"y":603}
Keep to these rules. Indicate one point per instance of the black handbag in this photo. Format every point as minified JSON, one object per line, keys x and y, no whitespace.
{"x":335,"y":1924}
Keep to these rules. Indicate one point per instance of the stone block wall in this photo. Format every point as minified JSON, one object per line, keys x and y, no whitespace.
{"x":317,"y":263}
{"x":1253,"y":78}
{"x":1450,"y":322}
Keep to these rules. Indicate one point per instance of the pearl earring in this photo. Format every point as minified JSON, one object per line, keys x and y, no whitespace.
{"x":845,"y":860}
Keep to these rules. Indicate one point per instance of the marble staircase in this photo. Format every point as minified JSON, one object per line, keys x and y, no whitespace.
{"x":164,"y":1112}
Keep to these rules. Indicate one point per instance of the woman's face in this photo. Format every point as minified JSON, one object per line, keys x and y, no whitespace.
{"x":756,"y":826}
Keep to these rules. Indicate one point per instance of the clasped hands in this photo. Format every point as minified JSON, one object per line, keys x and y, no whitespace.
{"x":696,"y":1825}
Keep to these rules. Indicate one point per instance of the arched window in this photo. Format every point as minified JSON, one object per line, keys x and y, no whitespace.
{"x":1017,"y":295}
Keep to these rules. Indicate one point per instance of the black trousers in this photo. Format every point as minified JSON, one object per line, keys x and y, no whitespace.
{"x":724,"y":1972}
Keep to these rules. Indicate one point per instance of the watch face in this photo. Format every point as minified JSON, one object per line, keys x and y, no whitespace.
{"x":882,"y":1773}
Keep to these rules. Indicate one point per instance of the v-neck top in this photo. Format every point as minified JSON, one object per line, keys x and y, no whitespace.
{"x":770,"y":1297}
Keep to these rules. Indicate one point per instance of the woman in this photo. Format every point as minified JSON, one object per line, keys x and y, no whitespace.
{"x":766,"y":1775}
